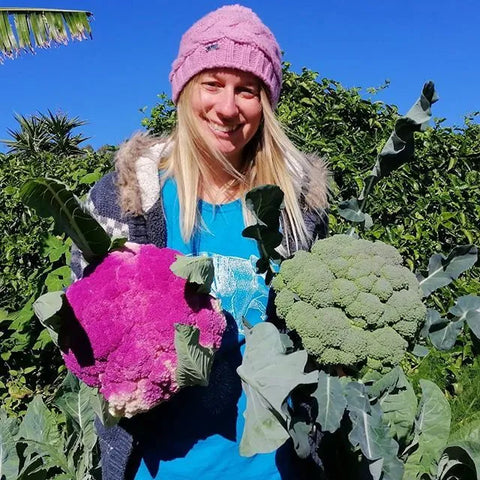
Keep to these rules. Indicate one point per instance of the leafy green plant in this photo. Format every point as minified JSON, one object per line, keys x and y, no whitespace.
{"x":38,"y":447}
{"x":46,"y":133}
{"x":378,"y":421}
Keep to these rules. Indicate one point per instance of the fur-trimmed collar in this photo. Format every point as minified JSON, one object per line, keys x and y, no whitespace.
{"x":137,"y":162}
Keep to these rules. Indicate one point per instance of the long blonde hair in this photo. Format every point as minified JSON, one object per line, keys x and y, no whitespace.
{"x":269,"y":158}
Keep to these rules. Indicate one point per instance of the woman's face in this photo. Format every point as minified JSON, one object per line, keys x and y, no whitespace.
{"x":226,"y":105}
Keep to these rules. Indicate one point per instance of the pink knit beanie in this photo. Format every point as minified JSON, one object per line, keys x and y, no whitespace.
{"x":232,"y":37}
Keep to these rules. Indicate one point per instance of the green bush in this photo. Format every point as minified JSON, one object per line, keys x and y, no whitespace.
{"x":33,"y":259}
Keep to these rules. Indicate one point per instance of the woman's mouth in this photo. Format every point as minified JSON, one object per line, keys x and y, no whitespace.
{"x":217,"y":128}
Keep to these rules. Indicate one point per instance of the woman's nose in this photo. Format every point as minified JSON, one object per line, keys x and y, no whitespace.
{"x":227,"y":104}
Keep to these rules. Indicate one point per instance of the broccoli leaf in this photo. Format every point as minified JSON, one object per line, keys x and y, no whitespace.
{"x":198,"y":271}
{"x":9,"y":460}
{"x":300,"y":430}
{"x":398,"y":403}
{"x":443,"y":332}
{"x":331,"y":402}
{"x":194,"y":361}
{"x":420,"y":351}
{"x":467,"y":308}
{"x":266,"y":203}
{"x":398,"y":150}
{"x":432,"y":428}
{"x":371,"y":434}
{"x":441,"y":270}
{"x":399,"y":147}
{"x":460,"y":460}
{"x":51,"y":198}
{"x":351,"y":211}
{"x":268,"y":376}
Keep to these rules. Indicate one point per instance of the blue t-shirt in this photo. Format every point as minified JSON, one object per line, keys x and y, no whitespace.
{"x":199,"y":430}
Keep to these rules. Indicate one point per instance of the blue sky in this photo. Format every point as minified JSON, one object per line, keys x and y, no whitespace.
{"x":106,"y":80}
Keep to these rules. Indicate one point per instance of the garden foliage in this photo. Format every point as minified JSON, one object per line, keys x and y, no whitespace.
{"x":426,"y":206}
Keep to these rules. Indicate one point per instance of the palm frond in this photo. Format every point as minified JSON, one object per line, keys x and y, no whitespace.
{"x":23,"y":29}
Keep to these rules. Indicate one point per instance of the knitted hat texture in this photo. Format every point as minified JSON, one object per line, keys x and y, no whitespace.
{"x":231,"y":37}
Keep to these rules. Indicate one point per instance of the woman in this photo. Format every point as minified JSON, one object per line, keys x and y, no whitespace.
{"x":186,"y":192}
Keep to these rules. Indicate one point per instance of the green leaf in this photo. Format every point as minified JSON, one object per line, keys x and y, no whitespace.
{"x":443,"y":332}
{"x":398,"y":403}
{"x":198,"y":271}
{"x":44,"y":338}
{"x":350,"y":210}
{"x":331,"y":402}
{"x":46,"y":26}
{"x":469,"y":432}
{"x":268,"y":376}
{"x":58,"y":279}
{"x":467,"y":308}
{"x":90,"y":178}
{"x":441,"y":270}
{"x":432,"y":428}
{"x":117,"y":242}
{"x":370,"y":434}
{"x":54,"y":248}
{"x":51,"y":198}
{"x":9,"y":460}
{"x":420,"y":351}
{"x":431,"y":318}
{"x":460,"y":461}
{"x":299,"y":431}
{"x":39,"y":424}
{"x":266,"y":203}
{"x":77,"y":407}
{"x":100,"y":407}
{"x":46,"y":309}
{"x":48,"y":305}
{"x":194,"y":361}
{"x":399,"y":148}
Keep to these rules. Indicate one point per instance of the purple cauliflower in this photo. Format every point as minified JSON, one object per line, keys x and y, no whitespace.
{"x":128,"y":307}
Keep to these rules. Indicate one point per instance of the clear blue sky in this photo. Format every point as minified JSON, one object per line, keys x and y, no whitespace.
{"x":106,"y":80}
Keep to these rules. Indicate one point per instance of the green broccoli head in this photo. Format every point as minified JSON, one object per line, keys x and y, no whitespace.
{"x":351,"y":302}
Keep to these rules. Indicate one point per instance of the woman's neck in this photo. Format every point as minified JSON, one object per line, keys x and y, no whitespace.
{"x":220,"y":187}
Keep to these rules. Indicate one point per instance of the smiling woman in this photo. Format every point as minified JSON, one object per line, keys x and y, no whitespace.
{"x":187,"y":192}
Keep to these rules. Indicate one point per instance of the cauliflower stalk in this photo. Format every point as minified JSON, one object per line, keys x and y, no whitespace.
{"x":128,"y":308}
{"x":351,"y":301}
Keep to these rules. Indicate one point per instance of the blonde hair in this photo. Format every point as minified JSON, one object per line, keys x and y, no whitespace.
{"x":269,"y":158}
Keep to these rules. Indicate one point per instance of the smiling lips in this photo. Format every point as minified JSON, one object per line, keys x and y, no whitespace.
{"x":222,"y":128}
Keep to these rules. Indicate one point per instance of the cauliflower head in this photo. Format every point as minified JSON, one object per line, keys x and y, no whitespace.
{"x":128,"y":307}
{"x":351,"y":301}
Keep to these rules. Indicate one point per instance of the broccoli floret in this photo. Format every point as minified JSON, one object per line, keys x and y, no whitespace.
{"x":343,"y":291}
{"x":382,"y":288}
{"x":409,"y":312}
{"x":358,"y":306}
{"x":399,"y":277}
{"x":386,"y":349}
{"x":367,"y":306}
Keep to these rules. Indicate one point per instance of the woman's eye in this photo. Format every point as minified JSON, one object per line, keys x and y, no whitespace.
{"x":211,"y":85}
{"x":248,"y":92}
